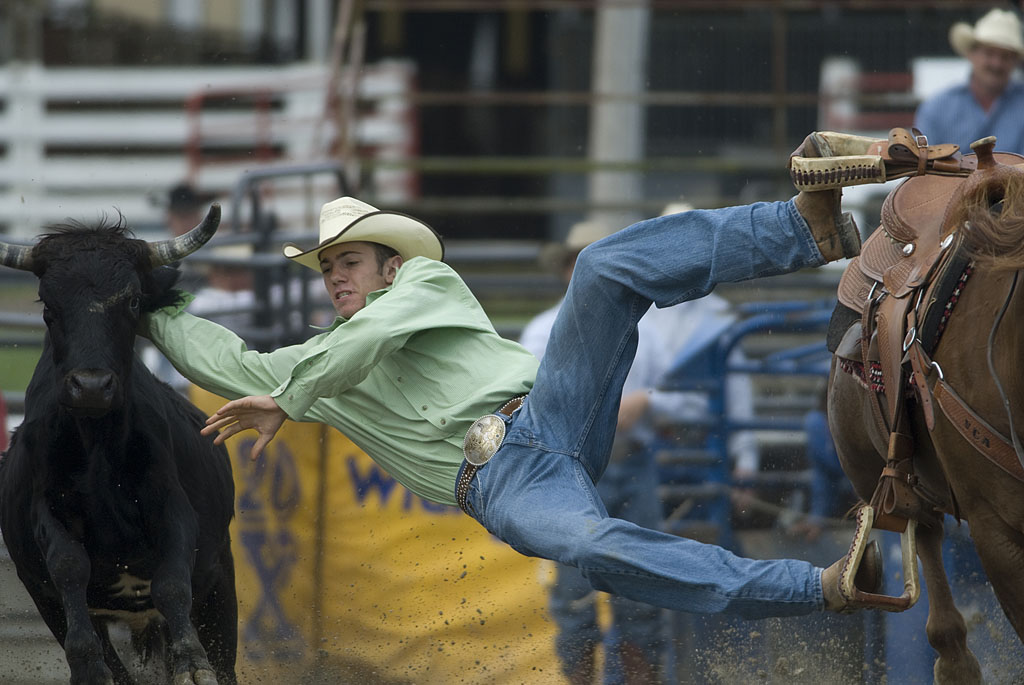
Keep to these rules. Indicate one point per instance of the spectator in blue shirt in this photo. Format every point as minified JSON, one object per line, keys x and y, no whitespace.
{"x":832,"y":494}
{"x":991,"y":103}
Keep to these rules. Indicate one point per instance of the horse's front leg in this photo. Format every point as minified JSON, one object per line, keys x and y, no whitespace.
{"x":1001,"y":550}
{"x":69,"y":567}
{"x":946,"y":629}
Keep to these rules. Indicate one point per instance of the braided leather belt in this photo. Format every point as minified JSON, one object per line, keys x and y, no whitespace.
{"x":482,"y":440}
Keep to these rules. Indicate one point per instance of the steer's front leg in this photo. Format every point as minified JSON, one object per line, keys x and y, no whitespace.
{"x":171,"y":591}
{"x":69,"y":567}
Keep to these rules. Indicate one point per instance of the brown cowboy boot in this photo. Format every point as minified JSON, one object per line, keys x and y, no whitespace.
{"x":835,"y":232}
{"x":868,"y":579}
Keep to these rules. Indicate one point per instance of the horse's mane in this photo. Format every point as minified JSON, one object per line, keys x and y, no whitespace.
{"x":994,"y":216}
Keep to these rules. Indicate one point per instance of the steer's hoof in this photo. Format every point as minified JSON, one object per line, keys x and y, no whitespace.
{"x":202,"y":676}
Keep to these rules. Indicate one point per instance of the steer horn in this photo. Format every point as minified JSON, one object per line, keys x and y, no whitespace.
{"x":174,"y":249}
{"x":16,"y":256}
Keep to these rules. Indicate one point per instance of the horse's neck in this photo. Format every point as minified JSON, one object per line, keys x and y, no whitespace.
{"x":988,"y":323}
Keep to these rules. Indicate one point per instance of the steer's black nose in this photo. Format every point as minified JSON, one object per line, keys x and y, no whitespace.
{"x":90,"y":391}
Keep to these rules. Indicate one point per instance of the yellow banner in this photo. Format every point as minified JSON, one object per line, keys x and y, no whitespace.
{"x":343,"y":575}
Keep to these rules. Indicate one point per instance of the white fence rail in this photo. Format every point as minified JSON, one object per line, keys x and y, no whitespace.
{"x":80,"y":142}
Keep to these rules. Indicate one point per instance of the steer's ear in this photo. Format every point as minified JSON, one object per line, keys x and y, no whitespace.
{"x":163,"y":292}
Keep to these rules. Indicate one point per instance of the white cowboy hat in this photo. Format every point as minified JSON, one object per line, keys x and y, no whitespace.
{"x":348,"y":220}
{"x":1000,"y":28}
{"x":676,"y":207}
{"x":582,"y":233}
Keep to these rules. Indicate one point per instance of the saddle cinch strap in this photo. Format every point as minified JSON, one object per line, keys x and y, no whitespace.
{"x":849,"y":160}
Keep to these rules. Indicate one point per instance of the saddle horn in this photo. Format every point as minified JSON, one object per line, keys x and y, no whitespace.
{"x":983,"y":148}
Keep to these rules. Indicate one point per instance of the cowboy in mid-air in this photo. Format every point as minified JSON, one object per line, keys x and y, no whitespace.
{"x":413,"y":372}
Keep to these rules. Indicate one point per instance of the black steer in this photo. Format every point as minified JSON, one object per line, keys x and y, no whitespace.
{"x":113,"y":507}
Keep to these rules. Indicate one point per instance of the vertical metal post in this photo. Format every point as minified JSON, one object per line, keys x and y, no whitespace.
{"x":318,"y":18}
{"x":617,"y":131}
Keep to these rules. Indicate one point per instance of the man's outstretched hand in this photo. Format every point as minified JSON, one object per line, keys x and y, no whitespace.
{"x":260,"y":412}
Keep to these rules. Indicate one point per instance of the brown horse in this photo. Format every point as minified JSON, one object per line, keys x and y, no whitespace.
{"x":925,"y":394}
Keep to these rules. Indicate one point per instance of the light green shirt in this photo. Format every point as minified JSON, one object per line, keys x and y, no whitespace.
{"x":403,"y":378}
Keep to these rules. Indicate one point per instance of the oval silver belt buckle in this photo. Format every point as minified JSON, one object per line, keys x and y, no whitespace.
{"x":483,"y":439}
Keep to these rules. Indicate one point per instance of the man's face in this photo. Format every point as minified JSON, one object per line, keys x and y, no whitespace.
{"x":992,"y":67}
{"x":351,"y":273}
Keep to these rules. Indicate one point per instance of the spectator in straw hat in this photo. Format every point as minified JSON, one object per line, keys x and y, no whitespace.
{"x":413,"y":372}
{"x":991,"y":103}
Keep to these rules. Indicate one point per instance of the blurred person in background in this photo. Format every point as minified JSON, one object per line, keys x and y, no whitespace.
{"x":991,"y":103}
{"x":629,"y":485}
{"x":685,"y":329}
{"x":628,"y":489}
{"x":227,"y":295}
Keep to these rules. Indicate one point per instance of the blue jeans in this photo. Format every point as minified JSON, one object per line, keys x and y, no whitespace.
{"x":538,"y":493}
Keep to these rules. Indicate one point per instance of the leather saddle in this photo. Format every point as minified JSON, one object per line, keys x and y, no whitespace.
{"x":910,"y":254}
{"x":900,"y":287}
{"x":896,"y":296}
